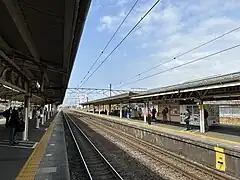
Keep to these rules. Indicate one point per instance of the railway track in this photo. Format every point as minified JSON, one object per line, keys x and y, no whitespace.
{"x":184,"y":169}
{"x":95,"y":164}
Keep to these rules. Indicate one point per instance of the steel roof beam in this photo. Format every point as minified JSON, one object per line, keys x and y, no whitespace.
{"x":18,"y":19}
{"x":35,"y":68}
{"x":10,"y":61}
{"x":12,"y":86}
{"x":4,"y":46}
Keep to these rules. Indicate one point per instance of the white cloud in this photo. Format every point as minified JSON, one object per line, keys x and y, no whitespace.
{"x":110,"y":22}
{"x":174,"y":27}
{"x":121,"y":2}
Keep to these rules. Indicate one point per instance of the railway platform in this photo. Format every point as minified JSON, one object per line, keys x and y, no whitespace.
{"x":13,"y":158}
{"x":49,"y":158}
{"x":214,"y":149}
{"x":222,"y":136}
{"x":224,"y":133}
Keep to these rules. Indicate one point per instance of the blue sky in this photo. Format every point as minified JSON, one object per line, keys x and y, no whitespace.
{"x":173,"y":27}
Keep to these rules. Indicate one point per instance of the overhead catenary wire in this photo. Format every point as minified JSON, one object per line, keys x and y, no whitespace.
{"x":182,"y":54}
{"x":181,"y":65}
{"x":116,"y":47}
{"x":110,"y":40}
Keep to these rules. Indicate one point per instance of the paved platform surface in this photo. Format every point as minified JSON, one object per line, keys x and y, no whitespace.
{"x":13,"y":158}
{"x":49,"y":159}
{"x":54,"y":164}
{"x":226,"y":137}
{"x":223,"y":132}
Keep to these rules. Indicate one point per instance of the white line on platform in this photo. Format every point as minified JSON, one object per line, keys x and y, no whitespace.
{"x":35,"y":145}
{"x":21,"y":141}
{"x":10,"y":146}
{"x":195,"y":131}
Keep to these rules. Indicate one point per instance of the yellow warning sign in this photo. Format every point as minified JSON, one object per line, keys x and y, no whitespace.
{"x":220,"y":159}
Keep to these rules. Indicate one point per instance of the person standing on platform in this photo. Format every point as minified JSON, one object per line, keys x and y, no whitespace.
{"x":154,"y":111}
{"x":13,"y":125}
{"x":45,"y":114}
{"x":7,"y":115}
{"x":206,"y":120}
{"x":187,"y":119}
{"x":164,"y":113}
{"x":41,"y":115}
{"x":38,"y":117}
{"x":149,"y":116}
{"x":140,"y":113}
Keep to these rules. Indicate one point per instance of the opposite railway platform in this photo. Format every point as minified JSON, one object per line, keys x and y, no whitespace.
{"x":218,"y":149}
{"x":228,"y":136}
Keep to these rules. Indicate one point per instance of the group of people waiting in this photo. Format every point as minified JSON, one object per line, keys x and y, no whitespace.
{"x":152,"y":116}
{"x":14,"y":121}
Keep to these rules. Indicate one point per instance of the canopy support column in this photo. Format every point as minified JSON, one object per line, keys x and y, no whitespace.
{"x":120,"y":113}
{"x":202,"y":123}
{"x":26,"y":111}
{"x":145,"y":112}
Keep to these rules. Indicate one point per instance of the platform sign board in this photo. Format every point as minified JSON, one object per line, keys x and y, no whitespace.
{"x":220,"y":159}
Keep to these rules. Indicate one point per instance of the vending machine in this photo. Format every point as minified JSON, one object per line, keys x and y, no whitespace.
{"x":213,"y":114}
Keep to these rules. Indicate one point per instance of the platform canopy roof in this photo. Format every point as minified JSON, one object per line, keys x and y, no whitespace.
{"x":215,"y":87}
{"x":122,"y":98}
{"x":223,"y":87}
{"x":38,"y":45}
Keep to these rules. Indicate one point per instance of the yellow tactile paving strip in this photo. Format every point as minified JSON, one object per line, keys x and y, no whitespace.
{"x":168,"y":129}
{"x":30,"y":168}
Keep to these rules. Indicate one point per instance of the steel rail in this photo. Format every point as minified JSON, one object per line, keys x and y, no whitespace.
{"x":131,"y":141}
{"x":111,"y":168}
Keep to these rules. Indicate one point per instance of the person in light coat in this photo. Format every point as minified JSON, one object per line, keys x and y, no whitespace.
{"x":38,"y":117}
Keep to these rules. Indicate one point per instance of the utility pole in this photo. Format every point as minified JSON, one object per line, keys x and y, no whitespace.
{"x":110,"y":90}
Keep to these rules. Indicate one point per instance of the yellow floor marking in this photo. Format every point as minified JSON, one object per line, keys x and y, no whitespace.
{"x":165,"y":128}
{"x":30,"y":168}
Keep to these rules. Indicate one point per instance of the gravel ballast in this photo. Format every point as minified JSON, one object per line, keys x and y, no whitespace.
{"x":128,"y":163}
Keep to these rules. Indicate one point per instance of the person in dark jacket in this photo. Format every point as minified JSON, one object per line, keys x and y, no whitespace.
{"x":154,"y":111}
{"x":164,"y":113}
{"x":206,"y":120}
{"x":187,"y":119}
{"x":13,"y":125}
{"x":7,"y":114}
